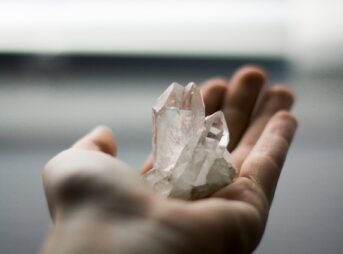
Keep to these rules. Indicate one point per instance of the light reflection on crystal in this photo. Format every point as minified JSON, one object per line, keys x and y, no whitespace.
{"x":190,"y":159}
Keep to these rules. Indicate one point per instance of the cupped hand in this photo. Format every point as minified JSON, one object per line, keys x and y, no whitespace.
{"x":100,"y":206}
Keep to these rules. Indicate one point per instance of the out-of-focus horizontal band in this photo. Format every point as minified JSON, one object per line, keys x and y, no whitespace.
{"x":205,"y":28}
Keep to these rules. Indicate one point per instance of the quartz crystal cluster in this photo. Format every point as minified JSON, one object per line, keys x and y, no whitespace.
{"x":190,"y":157}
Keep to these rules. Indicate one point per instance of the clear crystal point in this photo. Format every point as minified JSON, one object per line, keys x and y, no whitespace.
{"x":190,"y":157}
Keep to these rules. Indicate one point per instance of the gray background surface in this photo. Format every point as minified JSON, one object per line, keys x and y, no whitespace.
{"x":44,"y":108}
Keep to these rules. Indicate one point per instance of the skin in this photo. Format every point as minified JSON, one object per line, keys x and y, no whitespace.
{"x":99,"y":205}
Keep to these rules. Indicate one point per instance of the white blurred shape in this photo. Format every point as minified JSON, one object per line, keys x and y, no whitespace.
{"x":220,"y":28}
{"x":316,"y":29}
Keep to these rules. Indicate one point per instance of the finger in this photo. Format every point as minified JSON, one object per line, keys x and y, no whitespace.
{"x":239,"y":104}
{"x":147,"y":165}
{"x":275,"y":99}
{"x":100,"y":139}
{"x":213,"y":92}
{"x":263,"y":165}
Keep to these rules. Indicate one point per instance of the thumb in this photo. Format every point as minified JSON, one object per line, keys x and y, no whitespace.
{"x":99,"y":139}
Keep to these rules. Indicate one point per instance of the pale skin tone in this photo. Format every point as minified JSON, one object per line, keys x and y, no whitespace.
{"x":99,"y":205}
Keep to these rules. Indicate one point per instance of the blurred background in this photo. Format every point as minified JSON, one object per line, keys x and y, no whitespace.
{"x":67,"y":66}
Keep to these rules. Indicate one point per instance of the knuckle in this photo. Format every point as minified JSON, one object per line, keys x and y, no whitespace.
{"x":284,"y":115}
{"x":252,"y":193}
{"x":77,"y":178}
{"x":282,"y":91}
{"x":67,"y":182}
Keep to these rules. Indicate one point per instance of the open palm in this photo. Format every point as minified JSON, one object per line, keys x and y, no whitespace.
{"x":87,"y":180}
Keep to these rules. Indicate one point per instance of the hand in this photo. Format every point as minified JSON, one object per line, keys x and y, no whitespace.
{"x":100,"y":206}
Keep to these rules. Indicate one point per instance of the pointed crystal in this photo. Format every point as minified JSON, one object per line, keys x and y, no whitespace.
{"x":190,"y":159}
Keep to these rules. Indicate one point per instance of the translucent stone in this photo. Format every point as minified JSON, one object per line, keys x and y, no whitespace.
{"x":190,"y":157}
